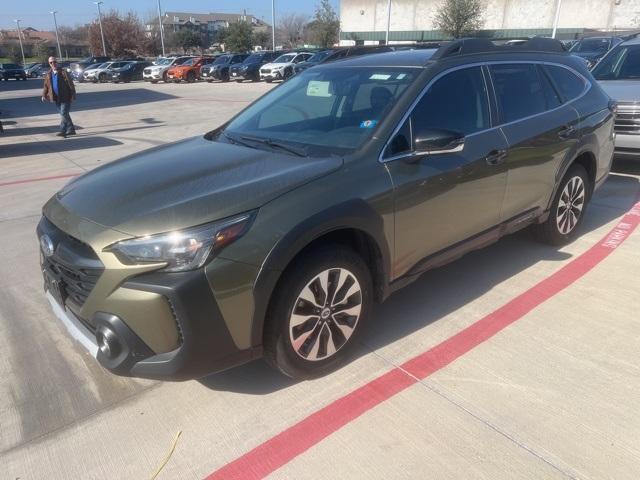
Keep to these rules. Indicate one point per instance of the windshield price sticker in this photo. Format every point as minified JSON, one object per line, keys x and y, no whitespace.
{"x":379,"y":76}
{"x":316,"y":88}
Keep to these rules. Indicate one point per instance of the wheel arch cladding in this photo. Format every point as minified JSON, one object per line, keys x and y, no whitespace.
{"x":353,"y":223}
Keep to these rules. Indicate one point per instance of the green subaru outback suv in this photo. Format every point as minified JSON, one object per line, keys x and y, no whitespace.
{"x":275,"y":234}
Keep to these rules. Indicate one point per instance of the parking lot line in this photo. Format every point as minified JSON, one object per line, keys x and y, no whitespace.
{"x":284,"y":447}
{"x":39,"y":179}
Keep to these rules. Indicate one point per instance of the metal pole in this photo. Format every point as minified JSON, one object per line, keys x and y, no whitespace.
{"x":273,"y":23}
{"x":161,"y":27}
{"x":55,"y":22}
{"x":386,"y":38}
{"x":555,"y":22}
{"x":20,"y":40}
{"x":104,"y":48}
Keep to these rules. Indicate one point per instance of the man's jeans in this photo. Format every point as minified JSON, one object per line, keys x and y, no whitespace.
{"x":66,"y":124}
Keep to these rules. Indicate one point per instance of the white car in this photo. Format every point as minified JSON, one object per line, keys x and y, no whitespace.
{"x":282,"y":67}
{"x":158,"y":71}
{"x":100,"y":74}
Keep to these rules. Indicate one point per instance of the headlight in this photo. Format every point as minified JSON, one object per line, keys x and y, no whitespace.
{"x":183,"y":249}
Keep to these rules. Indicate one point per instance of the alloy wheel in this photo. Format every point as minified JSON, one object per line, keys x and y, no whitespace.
{"x":570,"y":205}
{"x":325,"y":314}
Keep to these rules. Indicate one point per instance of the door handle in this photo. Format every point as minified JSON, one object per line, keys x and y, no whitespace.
{"x":496,"y":157}
{"x":566,"y":132}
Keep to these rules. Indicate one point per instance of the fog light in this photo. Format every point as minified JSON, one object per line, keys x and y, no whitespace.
{"x":107,"y":342}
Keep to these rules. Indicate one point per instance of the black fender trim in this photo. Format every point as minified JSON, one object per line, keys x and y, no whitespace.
{"x":352,"y":215}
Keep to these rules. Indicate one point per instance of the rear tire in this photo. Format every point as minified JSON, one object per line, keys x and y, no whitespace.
{"x":191,"y":77}
{"x":567,"y":209}
{"x":330,"y":286}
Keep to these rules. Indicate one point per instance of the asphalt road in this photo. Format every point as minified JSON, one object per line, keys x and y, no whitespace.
{"x":551,"y":393}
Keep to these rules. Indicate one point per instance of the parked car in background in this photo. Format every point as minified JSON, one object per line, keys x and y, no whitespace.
{"x":158,"y":71}
{"x":275,"y":233}
{"x":619,"y":75}
{"x":127,"y":73}
{"x":76,"y":69}
{"x":593,"y":49}
{"x":102,"y":72}
{"x":333,"y":54}
{"x":189,"y":71}
{"x":10,"y":71}
{"x":249,"y":69}
{"x":34,"y":71}
{"x":282,"y":67}
{"x":219,"y":69}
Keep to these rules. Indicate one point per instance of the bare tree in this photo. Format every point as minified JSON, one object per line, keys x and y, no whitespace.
{"x":459,"y":17}
{"x":291,"y":29}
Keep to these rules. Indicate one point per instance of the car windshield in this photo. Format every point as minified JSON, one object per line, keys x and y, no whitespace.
{"x":222,"y":60}
{"x":164,"y":61}
{"x":591,"y":45}
{"x":318,"y":57}
{"x":188,"y":62}
{"x":254,"y":58}
{"x":622,"y":63}
{"x":330,"y":111}
{"x":287,"y":58}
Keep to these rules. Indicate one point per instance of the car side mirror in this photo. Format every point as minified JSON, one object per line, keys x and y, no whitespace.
{"x":436,"y":140}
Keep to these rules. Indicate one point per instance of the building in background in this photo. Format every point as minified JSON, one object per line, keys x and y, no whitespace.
{"x":365,"y":21}
{"x":41,"y":43}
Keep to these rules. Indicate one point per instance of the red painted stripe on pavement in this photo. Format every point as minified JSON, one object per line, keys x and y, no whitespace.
{"x":287,"y":445}
{"x":39,"y":179}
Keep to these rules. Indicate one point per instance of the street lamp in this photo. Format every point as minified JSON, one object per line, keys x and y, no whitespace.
{"x":104,"y":48}
{"x":555,"y":22}
{"x":24,"y":63}
{"x":273,"y":23}
{"x":386,"y":38}
{"x":161,"y":27}
{"x":55,"y":22}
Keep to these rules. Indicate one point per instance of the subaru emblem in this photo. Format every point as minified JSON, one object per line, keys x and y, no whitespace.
{"x":46,"y":245}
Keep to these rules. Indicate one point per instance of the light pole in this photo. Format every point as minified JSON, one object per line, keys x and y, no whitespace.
{"x":104,"y":48}
{"x":20,"y":40}
{"x":55,"y":22}
{"x":273,"y":23}
{"x":386,"y":38}
{"x":555,"y":22}
{"x":161,"y":27}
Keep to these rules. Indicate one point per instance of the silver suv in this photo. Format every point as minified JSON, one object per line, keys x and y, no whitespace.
{"x":619,"y":75}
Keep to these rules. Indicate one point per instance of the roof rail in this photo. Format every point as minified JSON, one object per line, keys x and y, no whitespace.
{"x":470,"y":46}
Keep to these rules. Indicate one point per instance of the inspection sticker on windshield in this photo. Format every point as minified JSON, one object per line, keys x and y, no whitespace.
{"x":368,"y":123}
{"x":316,"y":88}
{"x":379,"y":76}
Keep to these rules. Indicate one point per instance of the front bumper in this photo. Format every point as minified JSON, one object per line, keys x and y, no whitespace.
{"x":273,"y":75}
{"x":244,"y":75}
{"x":627,"y":145}
{"x":157,"y":75}
{"x":144,"y":323}
{"x":212,"y":74}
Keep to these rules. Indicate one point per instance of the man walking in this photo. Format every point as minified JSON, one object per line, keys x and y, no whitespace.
{"x":58,"y":88}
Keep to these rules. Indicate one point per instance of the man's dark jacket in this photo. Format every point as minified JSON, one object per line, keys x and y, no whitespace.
{"x":66,"y":89}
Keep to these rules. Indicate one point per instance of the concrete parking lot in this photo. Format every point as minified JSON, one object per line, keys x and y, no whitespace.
{"x":516,"y":361}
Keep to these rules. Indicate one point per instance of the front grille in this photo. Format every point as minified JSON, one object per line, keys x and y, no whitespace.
{"x":147,"y":71}
{"x":628,"y":119}
{"x":265,"y":70}
{"x":73,"y":263}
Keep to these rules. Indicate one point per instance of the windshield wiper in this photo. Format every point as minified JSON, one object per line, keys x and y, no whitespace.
{"x":271,"y":143}
{"x":235,"y":141}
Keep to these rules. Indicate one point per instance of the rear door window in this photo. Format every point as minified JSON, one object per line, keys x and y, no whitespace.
{"x":519,"y":90}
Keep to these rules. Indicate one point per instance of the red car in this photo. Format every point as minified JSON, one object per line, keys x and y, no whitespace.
{"x":189,"y":70}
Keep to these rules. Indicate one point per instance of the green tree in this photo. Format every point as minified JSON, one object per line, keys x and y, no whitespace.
{"x":14,"y":54}
{"x":187,"y":39}
{"x":458,"y":18}
{"x":325,"y":25}
{"x":40,"y":51}
{"x":261,"y":38}
{"x":238,"y":37}
{"x":123,"y":34}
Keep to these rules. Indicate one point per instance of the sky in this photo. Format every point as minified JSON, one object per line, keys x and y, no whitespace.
{"x":35,"y":13}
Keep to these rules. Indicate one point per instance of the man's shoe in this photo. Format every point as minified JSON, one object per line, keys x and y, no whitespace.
{"x":61,"y":134}
{"x":73,"y":132}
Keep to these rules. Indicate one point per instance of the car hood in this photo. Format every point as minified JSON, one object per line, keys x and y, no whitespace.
{"x":622,"y":90}
{"x":187,"y":183}
{"x":276,"y":65}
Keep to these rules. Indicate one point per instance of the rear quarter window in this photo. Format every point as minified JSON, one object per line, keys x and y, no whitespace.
{"x":568,"y":84}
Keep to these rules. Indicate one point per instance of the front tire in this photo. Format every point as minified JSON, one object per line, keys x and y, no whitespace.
{"x":317,"y":312}
{"x":567,"y":209}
